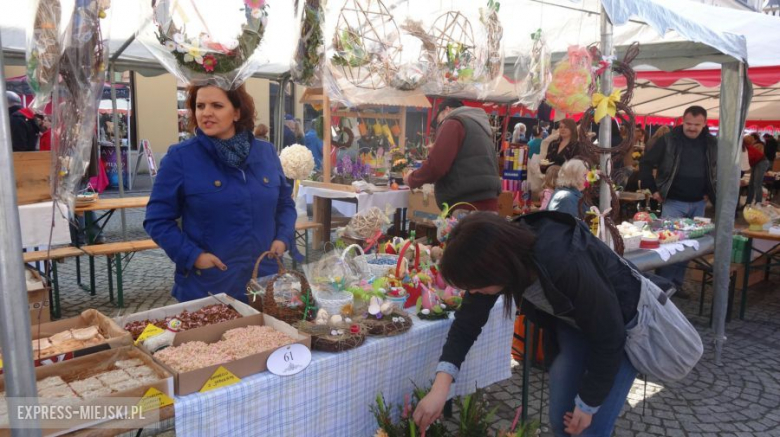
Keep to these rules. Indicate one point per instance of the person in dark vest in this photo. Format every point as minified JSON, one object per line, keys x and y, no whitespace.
{"x":462,"y":163}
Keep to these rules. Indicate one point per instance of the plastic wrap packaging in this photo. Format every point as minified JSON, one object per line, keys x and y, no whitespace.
{"x":43,"y":51}
{"x":76,"y":97}
{"x":367,"y":223}
{"x":533,"y":72}
{"x":206,"y":42}
{"x":306,"y":64}
{"x":371,"y":57}
{"x":572,"y":82}
{"x":490,"y":55}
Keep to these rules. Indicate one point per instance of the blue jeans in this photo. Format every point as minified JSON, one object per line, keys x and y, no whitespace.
{"x":566,"y":374}
{"x":679,"y":209}
{"x":756,"y":186}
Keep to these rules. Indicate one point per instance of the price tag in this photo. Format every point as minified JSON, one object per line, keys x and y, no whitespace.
{"x":289,"y":360}
{"x":222,"y":377}
{"x":149,"y":331}
{"x":154,"y":399}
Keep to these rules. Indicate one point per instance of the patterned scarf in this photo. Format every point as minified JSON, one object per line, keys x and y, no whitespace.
{"x":233,"y":151}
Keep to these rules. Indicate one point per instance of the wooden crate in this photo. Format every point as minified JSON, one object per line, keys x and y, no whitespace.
{"x":32,"y":176}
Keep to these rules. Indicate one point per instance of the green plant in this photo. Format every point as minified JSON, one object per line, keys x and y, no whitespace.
{"x":350,"y":51}
{"x":475,"y":417}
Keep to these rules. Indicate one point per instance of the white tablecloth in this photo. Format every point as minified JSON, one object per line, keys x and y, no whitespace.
{"x":333,"y":395}
{"x":36,"y":222}
{"x":396,"y":199}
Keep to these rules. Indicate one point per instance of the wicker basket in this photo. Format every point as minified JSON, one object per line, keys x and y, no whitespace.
{"x":386,"y":327}
{"x":267,"y":303}
{"x":321,"y":339}
{"x":376,"y":270}
{"x":631,"y":244}
{"x":332,"y":301}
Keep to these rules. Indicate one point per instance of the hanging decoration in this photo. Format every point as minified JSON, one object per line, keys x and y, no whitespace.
{"x":490,"y":56}
{"x":76,"y":97}
{"x":533,"y":73}
{"x":361,"y":47}
{"x":572,"y":82}
{"x":306,"y":65}
{"x":621,"y":101}
{"x":416,"y":61}
{"x":455,"y":52}
{"x":202,"y":42}
{"x":43,"y":51}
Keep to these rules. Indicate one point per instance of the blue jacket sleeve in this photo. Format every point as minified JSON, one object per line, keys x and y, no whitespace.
{"x":164,"y":208}
{"x":286,"y":215}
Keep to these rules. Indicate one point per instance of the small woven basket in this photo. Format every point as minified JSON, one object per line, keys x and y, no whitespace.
{"x":322,"y":340}
{"x":386,"y":327}
{"x":267,"y":303}
{"x":332,"y":301}
{"x":377,"y":270}
{"x":631,"y":243}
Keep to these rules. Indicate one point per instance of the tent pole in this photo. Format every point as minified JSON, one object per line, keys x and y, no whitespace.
{"x":117,"y":147}
{"x":15,"y":338}
{"x":736,"y":92}
{"x":280,"y":113}
{"x":605,"y":127}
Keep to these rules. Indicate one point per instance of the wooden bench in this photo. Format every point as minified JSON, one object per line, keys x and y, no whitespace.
{"x":705,"y":265}
{"x":113,"y":252}
{"x":302,"y":233}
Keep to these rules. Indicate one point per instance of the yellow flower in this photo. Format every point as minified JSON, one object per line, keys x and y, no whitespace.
{"x":593,"y":177}
{"x":380,"y":433}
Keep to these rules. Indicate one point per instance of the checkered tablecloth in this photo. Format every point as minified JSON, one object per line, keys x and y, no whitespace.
{"x":332,"y":396}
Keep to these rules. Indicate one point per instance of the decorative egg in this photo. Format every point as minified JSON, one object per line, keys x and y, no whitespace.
{"x":426,"y":311}
{"x":335,"y":319}
{"x":322,"y":317}
{"x":387,"y":308}
{"x":334,"y":333}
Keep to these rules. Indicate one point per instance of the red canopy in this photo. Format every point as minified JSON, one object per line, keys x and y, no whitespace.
{"x":760,"y":76}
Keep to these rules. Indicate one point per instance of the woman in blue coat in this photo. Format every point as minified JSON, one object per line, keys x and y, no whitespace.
{"x":230,"y":193}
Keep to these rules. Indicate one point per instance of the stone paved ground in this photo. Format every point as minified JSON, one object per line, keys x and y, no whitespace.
{"x":740,"y":398}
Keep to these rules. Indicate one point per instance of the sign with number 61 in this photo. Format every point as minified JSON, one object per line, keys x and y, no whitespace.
{"x":289,"y":360}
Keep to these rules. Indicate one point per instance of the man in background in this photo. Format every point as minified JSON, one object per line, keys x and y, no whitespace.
{"x":24,"y":129}
{"x":462,"y":163}
{"x":685,"y":160}
{"x":314,"y":144}
{"x":289,"y":131}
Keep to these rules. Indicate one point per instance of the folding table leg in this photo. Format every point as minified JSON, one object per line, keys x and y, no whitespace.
{"x":110,"y":279}
{"x":306,"y":242}
{"x":118,"y":263}
{"x":78,"y":270}
{"x":56,"y":285}
{"x":92,"y":275}
{"x":526,"y":370}
{"x":743,"y":300}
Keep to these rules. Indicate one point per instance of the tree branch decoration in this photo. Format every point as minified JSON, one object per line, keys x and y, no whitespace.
{"x":417,"y":58}
{"x":362,"y":43}
{"x":306,"y":65}
{"x":43,"y":52}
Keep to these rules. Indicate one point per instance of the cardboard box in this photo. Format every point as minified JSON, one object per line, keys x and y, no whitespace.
{"x":193,"y":305}
{"x":193,"y":381}
{"x":424,"y":209}
{"x":87,"y":366}
{"x":37,"y":297}
{"x":116,"y":337}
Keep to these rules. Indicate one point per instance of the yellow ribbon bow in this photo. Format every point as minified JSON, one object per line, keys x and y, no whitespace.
{"x":605,"y":105}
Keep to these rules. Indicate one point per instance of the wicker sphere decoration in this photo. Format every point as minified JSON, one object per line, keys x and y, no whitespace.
{"x":416,"y":58}
{"x":363,"y":43}
{"x":453,"y":36}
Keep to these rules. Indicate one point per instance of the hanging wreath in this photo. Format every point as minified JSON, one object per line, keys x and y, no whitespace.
{"x":202,"y":55}
{"x":362,"y":43}
{"x":416,"y":58}
{"x":305,"y":68}
{"x":455,"y":50}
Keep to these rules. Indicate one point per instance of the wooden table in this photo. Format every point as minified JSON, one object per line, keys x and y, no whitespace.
{"x":772,"y":260}
{"x":113,"y":204}
{"x":109,"y":205}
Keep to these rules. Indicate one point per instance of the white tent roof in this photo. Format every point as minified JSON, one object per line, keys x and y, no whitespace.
{"x":701,"y":33}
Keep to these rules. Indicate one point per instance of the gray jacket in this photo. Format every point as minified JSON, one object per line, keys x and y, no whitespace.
{"x":473,"y":175}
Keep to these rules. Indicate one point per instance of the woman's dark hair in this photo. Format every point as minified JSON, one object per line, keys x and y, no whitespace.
{"x":239,"y":98}
{"x":484,"y":249}
{"x":572,"y":125}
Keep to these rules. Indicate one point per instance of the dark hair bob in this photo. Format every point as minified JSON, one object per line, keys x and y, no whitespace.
{"x":239,"y":98}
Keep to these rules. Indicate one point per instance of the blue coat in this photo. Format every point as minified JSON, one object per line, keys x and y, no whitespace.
{"x":232,"y":213}
{"x":566,"y":200}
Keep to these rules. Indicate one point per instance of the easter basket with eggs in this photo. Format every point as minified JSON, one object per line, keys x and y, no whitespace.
{"x":383,"y":318}
{"x":333,"y":333}
{"x":285,"y":296}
